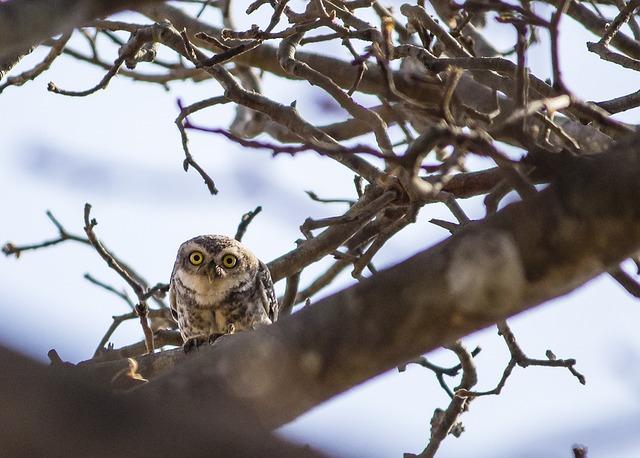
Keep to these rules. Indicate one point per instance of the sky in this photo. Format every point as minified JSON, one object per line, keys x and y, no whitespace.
{"x":119,"y":150}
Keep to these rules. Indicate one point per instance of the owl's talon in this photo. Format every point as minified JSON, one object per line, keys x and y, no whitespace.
{"x":214,"y":337}
{"x":193,"y":343}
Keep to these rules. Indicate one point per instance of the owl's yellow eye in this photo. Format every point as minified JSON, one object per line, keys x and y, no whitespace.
{"x":196,"y":258}
{"x":229,"y":261}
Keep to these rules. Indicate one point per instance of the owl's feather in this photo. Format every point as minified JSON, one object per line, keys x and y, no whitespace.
{"x":269,"y":300}
{"x":172,"y":303}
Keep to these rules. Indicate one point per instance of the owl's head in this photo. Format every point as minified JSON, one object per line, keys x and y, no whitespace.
{"x":216,"y":261}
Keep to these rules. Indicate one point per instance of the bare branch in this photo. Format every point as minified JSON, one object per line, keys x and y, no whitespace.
{"x":439,"y":371}
{"x":312,"y":250}
{"x":289,"y":299}
{"x":619,"y":21}
{"x":56,"y":49}
{"x":189,"y":161}
{"x":11,"y":249}
{"x":519,"y":358}
{"x":626,"y":281}
{"x":446,"y":422}
{"x":138,"y":39}
{"x":323,"y":280}
{"x":141,"y":308}
{"x":554,"y":31}
{"x":121,"y":294}
{"x":315,"y":197}
{"x":245,"y":221}
{"x":161,"y":338}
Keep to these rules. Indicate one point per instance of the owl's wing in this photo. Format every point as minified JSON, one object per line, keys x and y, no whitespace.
{"x":172,"y":303}
{"x":267,"y":293}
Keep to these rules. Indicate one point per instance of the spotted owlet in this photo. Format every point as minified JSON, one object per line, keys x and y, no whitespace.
{"x":219,"y":287}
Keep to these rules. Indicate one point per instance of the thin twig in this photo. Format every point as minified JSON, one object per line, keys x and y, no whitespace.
{"x":606,"y":54}
{"x":56,"y":49}
{"x":621,"y":19}
{"x":179,"y":121}
{"x":245,"y":221}
{"x":626,"y":281}
{"x":138,"y":38}
{"x":453,"y":77}
{"x":118,"y":320}
{"x":161,"y":337}
{"x":383,"y":237}
{"x":323,"y":150}
{"x":518,"y":357}
{"x":141,"y":308}
{"x":448,"y":225}
{"x":446,"y":422}
{"x":440,"y":371}
{"x":323,"y":280}
{"x":554,"y":33}
{"x":290,"y":294}
{"x":121,"y":294}
{"x":10,"y":249}
{"x":315,"y":197}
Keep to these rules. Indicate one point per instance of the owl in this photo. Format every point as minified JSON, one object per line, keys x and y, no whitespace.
{"x":219,"y":287}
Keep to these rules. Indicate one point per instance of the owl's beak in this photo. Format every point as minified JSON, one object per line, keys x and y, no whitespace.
{"x":214,"y":271}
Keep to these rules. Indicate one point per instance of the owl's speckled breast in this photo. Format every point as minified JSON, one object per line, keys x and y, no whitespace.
{"x":209,"y":296}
